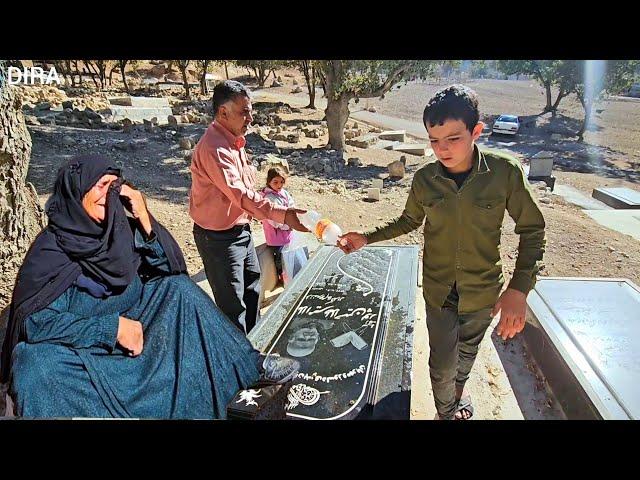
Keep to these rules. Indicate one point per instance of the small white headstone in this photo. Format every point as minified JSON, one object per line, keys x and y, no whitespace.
{"x":541,"y":167}
{"x":373,"y":194}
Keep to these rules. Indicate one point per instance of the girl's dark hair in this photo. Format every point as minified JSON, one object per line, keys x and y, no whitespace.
{"x":274,"y":172}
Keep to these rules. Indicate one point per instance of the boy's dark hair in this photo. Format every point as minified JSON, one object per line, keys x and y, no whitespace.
{"x":274,"y":172}
{"x":457,"y":102}
{"x":225,"y":91}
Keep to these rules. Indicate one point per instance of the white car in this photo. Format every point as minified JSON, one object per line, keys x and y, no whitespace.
{"x":508,"y":124}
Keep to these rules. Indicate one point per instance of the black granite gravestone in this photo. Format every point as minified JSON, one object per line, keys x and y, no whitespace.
{"x":348,"y":319}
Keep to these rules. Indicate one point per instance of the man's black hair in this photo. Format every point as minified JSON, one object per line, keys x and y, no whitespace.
{"x":225,"y":91}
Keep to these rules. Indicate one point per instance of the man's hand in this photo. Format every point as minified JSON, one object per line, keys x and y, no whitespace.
{"x":513,"y":307}
{"x":291,"y":219}
{"x":138,"y":207}
{"x":351,"y":242}
{"x":130,"y":336}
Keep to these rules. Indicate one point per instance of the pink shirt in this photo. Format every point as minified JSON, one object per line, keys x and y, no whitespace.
{"x":277,"y":234}
{"x":223,"y":183}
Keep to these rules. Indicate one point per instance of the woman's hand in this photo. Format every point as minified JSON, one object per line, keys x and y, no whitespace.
{"x":130,"y":336}
{"x":138,"y":207}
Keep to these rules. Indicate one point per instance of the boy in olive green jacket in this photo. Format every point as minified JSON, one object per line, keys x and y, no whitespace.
{"x":463,"y":195}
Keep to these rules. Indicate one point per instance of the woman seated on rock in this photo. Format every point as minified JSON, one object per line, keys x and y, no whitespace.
{"x":104,"y":321}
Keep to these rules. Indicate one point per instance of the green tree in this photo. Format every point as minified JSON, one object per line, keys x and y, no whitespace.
{"x":182,"y":66}
{"x":203,"y":66}
{"x":308,"y":69}
{"x":546,"y":72}
{"x":261,"y":68}
{"x":591,"y":79}
{"x":354,"y":79}
{"x":99,"y":68}
{"x":122,"y":64}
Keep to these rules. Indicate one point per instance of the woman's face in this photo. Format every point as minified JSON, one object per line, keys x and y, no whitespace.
{"x":95,"y":200}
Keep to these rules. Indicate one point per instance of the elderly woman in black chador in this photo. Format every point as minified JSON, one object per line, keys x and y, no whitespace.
{"x":104,"y":321}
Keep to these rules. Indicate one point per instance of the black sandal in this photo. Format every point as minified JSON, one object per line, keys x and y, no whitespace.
{"x":464,"y":405}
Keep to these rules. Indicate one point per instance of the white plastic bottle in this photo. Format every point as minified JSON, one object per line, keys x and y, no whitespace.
{"x":323,"y":228}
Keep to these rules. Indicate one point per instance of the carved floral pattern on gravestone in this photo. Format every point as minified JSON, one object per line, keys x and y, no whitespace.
{"x":334,"y":330}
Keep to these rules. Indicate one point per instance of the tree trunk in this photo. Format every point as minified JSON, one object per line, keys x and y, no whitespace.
{"x":337,"y":113}
{"x":262,"y":76}
{"x":310,"y":79}
{"x":554,"y":108}
{"x":123,"y":64}
{"x":60,"y":67}
{"x":182,"y":66}
{"x":226,"y":70}
{"x":323,"y":82}
{"x":76,"y":72}
{"x":21,"y":217}
{"x":587,"y":105}
{"x":312,"y":92}
{"x":547,"y":88}
{"x":203,"y":83}
{"x":87,"y":64}
{"x":101,"y":65}
{"x":203,"y":78}
{"x":186,"y":83}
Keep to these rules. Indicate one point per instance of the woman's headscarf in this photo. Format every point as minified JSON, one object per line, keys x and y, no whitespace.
{"x":74,"y":245}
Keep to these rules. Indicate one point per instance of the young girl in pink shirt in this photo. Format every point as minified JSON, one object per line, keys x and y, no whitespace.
{"x":277,"y":235}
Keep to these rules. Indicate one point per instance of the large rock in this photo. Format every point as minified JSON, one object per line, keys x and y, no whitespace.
{"x":311,"y":132}
{"x":349,"y":134}
{"x":364,"y":141}
{"x":68,"y":141}
{"x":280,"y":137}
{"x":31,"y":120}
{"x":293,"y":137}
{"x":270,"y":160}
{"x":297,"y":90}
{"x":127,"y":125}
{"x":186,"y":143}
{"x":396,"y":169}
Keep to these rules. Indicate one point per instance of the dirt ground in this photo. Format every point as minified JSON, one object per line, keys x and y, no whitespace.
{"x":576,"y":245}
